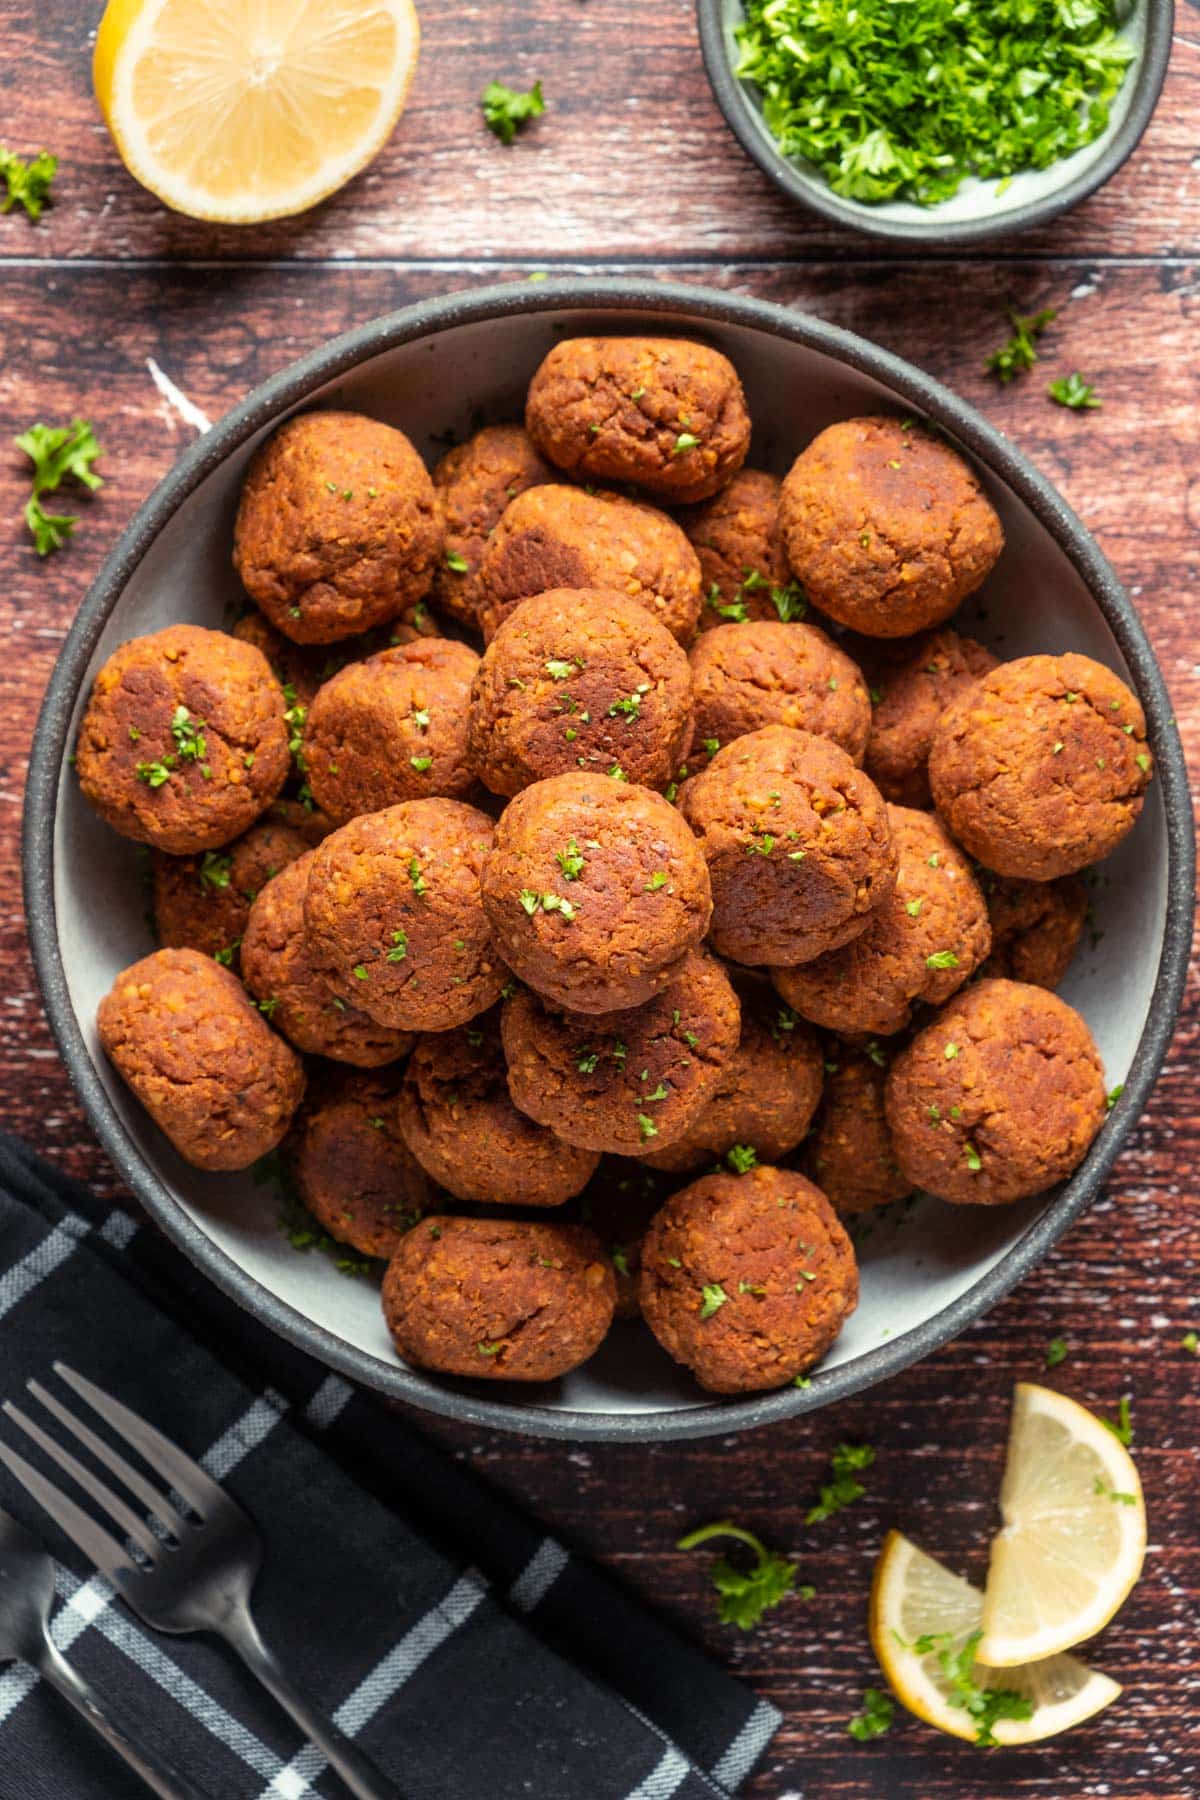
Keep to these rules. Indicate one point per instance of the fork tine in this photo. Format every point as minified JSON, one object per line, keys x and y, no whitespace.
{"x":150,"y":1497}
{"x":92,"y":1485}
{"x":109,"y":1556}
{"x":199,"y":1489}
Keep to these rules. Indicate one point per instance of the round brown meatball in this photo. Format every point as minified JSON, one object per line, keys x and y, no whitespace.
{"x":624,"y":1080}
{"x":203,"y":902}
{"x":393,"y":919}
{"x":498,"y":1298}
{"x":474,"y":483}
{"x":742,"y":561}
{"x":352,"y":1168}
{"x":666,"y":414}
{"x":595,"y":891}
{"x":766,"y":1097}
{"x":747,"y":1279}
{"x":998,"y":1097}
{"x":337,"y":528}
{"x":886,"y":526}
{"x":619,"y":1203}
{"x":1040,"y":768}
{"x":914,"y":692}
{"x":183,"y":743}
{"x":797,"y":842}
{"x":922,"y":942}
{"x":748,"y":676}
{"x":459,"y":1121}
{"x":849,"y":1152}
{"x":580,"y":678}
{"x":198,"y":1055}
{"x":278,"y":969}
{"x":1036,"y":926}
{"x":563,"y":537}
{"x":392,"y":728}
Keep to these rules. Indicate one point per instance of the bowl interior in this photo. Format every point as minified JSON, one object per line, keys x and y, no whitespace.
{"x":915,"y":1261}
{"x":992,"y":203}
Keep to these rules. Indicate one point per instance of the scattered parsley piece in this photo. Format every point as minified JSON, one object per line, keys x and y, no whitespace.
{"x":648,"y":1129}
{"x":1020,"y":352}
{"x":790,"y":602}
{"x":267,"y":1007}
{"x":399,"y":949}
{"x":420,"y":718}
{"x":913,"y":907}
{"x":215,"y":870}
{"x":489,"y":1349}
{"x":658,"y":880}
{"x":712,"y":1299}
{"x":226,"y":955}
{"x":360,"y":972}
{"x":190,"y":744}
{"x":421,"y":763}
{"x":986,"y":1706}
{"x":950,"y":1052}
{"x":1057,"y":1351}
{"x":1114,"y":1094}
{"x":57,"y":451}
{"x":942,"y":959}
{"x":878,"y":1712}
{"x":684,"y":442}
{"x":876,"y":1054}
{"x":28,"y":183}
{"x":1100,"y":1486}
{"x":974,"y":1160}
{"x":506,"y":111}
{"x":741,"y":1158}
{"x":570,"y":861}
{"x":1122,"y":1426}
{"x":1075,"y":392}
{"x":630,"y":708}
{"x":558,"y":669}
{"x":746,"y":1594}
{"x":1190,"y":1342}
{"x":457,"y":562}
{"x":154,"y":774}
{"x":842,"y":1489}
{"x":586,"y":1060}
{"x":419,"y":884}
{"x":617,"y":773}
{"x":1143,"y":762}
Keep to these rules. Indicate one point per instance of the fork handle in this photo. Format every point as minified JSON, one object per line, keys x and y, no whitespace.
{"x":344,"y":1756}
{"x":158,"y":1776}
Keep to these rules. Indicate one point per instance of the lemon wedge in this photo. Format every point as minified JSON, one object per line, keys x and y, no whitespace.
{"x":925,"y":1622}
{"x":1074,"y":1532}
{"x":244,"y":110}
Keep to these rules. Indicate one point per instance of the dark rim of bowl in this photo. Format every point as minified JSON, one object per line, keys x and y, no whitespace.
{"x":661,"y":304}
{"x":741,"y":115}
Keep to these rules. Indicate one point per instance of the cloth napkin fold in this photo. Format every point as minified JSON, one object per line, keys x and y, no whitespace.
{"x":473,"y":1656}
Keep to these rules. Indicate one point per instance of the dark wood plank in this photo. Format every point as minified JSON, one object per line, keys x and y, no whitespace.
{"x":630,"y":120}
{"x":1122,"y":1288}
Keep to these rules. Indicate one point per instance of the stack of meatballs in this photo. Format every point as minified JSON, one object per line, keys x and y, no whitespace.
{"x":594,"y":931}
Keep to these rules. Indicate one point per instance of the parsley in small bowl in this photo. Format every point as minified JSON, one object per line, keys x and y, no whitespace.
{"x":928,"y":120}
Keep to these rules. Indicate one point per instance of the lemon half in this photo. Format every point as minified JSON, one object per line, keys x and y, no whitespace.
{"x":922,"y":1616}
{"x":244,"y":110}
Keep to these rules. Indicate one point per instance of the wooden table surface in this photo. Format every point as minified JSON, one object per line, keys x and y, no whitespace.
{"x":632,"y":167}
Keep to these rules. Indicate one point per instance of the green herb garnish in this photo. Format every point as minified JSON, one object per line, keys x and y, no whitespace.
{"x":878,"y":1711}
{"x":1075,"y":392}
{"x":57,"y":451}
{"x":744,"y":1595}
{"x":506,"y":111}
{"x":842,"y":1488}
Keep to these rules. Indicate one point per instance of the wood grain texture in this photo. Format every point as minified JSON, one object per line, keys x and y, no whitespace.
{"x":110,"y":280}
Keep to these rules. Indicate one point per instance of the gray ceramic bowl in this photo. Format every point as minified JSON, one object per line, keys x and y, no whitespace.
{"x":442,"y":365}
{"x":977,"y":211}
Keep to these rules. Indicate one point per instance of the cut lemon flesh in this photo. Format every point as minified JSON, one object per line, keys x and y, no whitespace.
{"x":1074,"y":1532}
{"x":922,"y":1616}
{"x":243,"y":110}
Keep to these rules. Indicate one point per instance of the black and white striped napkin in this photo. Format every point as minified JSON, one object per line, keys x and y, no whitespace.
{"x":473,"y":1655}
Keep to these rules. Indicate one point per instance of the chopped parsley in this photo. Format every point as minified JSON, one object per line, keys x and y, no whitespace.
{"x":733,"y":610}
{"x":1190,"y":1341}
{"x":506,"y":111}
{"x":559,"y":669}
{"x":659,"y":879}
{"x":974,"y":1160}
{"x":648,"y":1129}
{"x":1057,"y":1351}
{"x":457,"y":562}
{"x":399,"y":949}
{"x":842,"y":1488}
{"x":27,"y":183}
{"x":190,"y":742}
{"x":547,"y":903}
{"x":878,"y":1712}
{"x":1100,"y":1486}
{"x":421,"y":763}
{"x":790,"y":602}
{"x":1122,"y":1426}
{"x":741,"y":1158}
{"x":986,"y":1706}
{"x":570,"y":861}
{"x":154,"y":774}
{"x":744,"y":1595}
{"x":419,"y":884}
{"x":630,"y":707}
{"x":56,"y":451}
{"x":942,"y":959}
{"x":215,"y":869}
{"x":1020,"y":352}
{"x":1073,"y":391}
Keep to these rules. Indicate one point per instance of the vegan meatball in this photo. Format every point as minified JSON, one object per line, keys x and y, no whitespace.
{"x":198,"y":1055}
{"x":849,"y":1152}
{"x":747,"y":1279}
{"x":1036,"y":926}
{"x":474,"y":483}
{"x":742,"y":561}
{"x":886,"y":527}
{"x":766,"y":1097}
{"x":278,"y":969}
{"x":748,"y":676}
{"x":921,"y":943}
{"x":1040,"y":768}
{"x":393,"y":919}
{"x":392,"y":728}
{"x":665,"y":414}
{"x":580,"y":678}
{"x":564,"y":537}
{"x":999,"y":1097}
{"x":498,"y":1298}
{"x":459,"y":1121}
{"x":203,"y":902}
{"x":624,"y":1080}
{"x":337,"y":528}
{"x":914,"y":692}
{"x":183,"y":743}
{"x":797,"y":843}
{"x":350,"y":1165}
{"x":595,"y":891}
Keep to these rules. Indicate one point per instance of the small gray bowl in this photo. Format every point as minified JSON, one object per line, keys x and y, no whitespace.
{"x":927,"y":1271}
{"x":976,"y":212}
